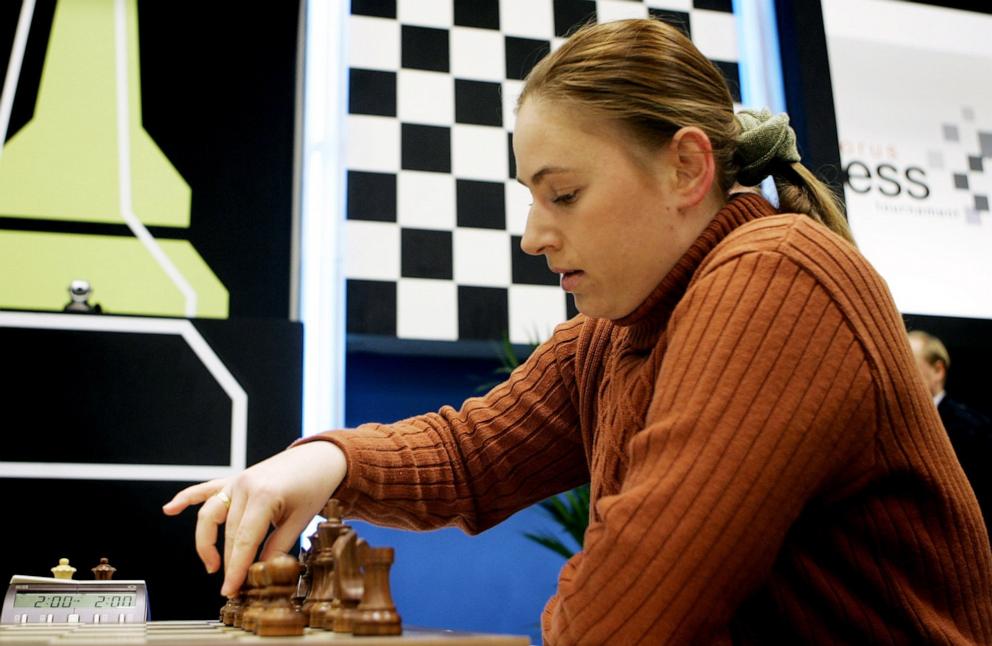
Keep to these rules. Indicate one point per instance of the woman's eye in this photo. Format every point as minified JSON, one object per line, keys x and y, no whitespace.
{"x":566,"y":198}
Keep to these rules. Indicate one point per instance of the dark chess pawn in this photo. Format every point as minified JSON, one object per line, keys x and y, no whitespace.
{"x":241,"y":604}
{"x":280,"y":619}
{"x":231,"y":609}
{"x":104,"y":571}
{"x":376,"y":614}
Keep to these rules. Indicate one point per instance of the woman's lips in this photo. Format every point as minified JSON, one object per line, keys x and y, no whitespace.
{"x":570,"y":280}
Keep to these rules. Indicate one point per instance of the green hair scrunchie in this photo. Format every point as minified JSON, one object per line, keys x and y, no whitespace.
{"x":765,"y":140}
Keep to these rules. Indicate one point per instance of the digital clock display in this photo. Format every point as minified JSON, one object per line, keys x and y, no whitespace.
{"x":75,"y":600}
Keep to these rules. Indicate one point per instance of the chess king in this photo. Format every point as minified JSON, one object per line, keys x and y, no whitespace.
{"x":764,"y":461}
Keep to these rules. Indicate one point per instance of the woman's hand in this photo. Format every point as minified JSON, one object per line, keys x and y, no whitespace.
{"x":285,"y":491}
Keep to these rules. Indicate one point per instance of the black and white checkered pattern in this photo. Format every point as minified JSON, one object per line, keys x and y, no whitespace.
{"x":434,"y":215}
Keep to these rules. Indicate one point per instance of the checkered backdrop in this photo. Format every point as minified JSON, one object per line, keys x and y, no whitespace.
{"x":434,"y":214}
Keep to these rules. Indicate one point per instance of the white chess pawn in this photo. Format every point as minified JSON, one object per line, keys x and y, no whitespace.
{"x":63,"y":570}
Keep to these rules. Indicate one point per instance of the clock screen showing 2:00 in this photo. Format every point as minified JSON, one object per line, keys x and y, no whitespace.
{"x":74,"y":600}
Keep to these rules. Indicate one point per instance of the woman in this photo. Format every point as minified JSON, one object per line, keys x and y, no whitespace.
{"x":765,"y":464}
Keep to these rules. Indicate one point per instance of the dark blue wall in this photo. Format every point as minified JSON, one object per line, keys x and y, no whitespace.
{"x":497,"y":581}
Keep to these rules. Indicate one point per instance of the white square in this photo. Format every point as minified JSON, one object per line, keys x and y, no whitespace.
{"x":426,"y":309}
{"x":481,"y":257}
{"x":609,"y":10}
{"x":373,"y":143}
{"x":671,"y":5}
{"x":425,"y":97}
{"x":372,"y":250}
{"x":556,"y":43}
{"x":715,"y":34}
{"x":479,"y":152}
{"x":425,"y":200}
{"x":373,"y":43}
{"x":527,"y":18}
{"x":518,"y":201}
{"x":477,"y":54}
{"x":535,"y":310}
{"x":511,"y":91}
{"x":425,"y":13}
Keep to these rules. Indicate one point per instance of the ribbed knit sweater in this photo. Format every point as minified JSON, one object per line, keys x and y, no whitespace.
{"x":766,"y":465}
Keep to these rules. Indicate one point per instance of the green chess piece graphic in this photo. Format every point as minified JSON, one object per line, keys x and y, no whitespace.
{"x":85,"y":157}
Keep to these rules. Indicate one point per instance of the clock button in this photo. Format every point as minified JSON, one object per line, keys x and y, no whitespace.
{"x":73,"y":619}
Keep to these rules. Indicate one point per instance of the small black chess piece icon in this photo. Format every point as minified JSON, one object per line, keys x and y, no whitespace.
{"x":79,"y":296}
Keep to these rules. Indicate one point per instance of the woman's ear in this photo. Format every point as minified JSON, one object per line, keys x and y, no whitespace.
{"x":695,"y":169}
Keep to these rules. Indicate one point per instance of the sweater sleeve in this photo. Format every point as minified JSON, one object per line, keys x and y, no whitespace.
{"x":475,"y":466}
{"x":763,"y":394}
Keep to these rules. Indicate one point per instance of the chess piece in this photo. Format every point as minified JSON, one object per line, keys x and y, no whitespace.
{"x":231,"y":609}
{"x":302,"y":582}
{"x":104,"y":571}
{"x":347,"y":582}
{"x":376,"y":614}
{"x":257,"y":582}
{"x":238,"y":611}
{"x":79,"y":296}
{"x":63,"y":570}
{"x":280,"y":619}
{"x":323,"y":591}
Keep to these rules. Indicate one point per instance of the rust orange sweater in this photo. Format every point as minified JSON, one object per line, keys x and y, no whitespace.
{"x":765,"y":464}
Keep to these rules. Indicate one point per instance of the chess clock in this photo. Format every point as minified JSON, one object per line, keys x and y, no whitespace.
{"x":38,"y":600}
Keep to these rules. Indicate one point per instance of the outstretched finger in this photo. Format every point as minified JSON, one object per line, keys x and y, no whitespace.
{"x":244,"y":542}
{"x":192,"y":495}
{"x":212,"y":514}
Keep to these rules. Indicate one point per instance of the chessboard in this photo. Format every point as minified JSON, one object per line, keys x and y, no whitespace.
{"x":208,"y":633}
{"x":337,"y":590}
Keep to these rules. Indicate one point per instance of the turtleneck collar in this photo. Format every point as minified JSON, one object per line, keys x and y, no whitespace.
{"x":645,"y":323}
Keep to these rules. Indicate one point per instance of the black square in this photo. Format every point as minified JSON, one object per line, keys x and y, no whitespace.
{"x":483,"y":313}
{"x":530,"y":270}
{"x":371,"y":307}
{"x":378,"y":8}
{"x":480,"y":204}
{"x":478,"y":102}
{"x":483,"y":14}
{"x":677,"y":19}
{"x":975,"y":163}
{"x":522,"y":54}
{"x":371,"y":92}
{"x":371,"y":196}
{"x":512,"y":158}
{"x":425,"y":148}
{"x":425,"y":254}
{"x":424,"y":48}
{"x":727,"y":6}
{"x":732,"y":74}
{"x":960,"y":181}
{"x":572,"y":14}
{"x":981,"y":202}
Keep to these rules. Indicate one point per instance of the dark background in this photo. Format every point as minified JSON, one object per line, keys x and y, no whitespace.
{"x":218,"y":86}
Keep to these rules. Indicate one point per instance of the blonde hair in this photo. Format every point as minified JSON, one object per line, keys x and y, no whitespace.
{"x":649,"y":77}
{"x":933,"y":349}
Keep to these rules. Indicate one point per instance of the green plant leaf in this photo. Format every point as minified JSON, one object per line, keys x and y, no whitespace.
{"x":551,"y":543}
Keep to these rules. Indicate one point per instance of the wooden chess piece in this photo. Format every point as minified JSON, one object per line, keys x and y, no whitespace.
{"x":257,"y":583}
{"x":104,"y":571}
{"x":322,"y":591}
{"x":63,"y":570}
{"x":280,"y":619}
{"x":302,"y":590}
{"x":238,"y":612}
{"x":234,"y":607}
{"x":376,"y":614}
{"x":347,"y":582}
